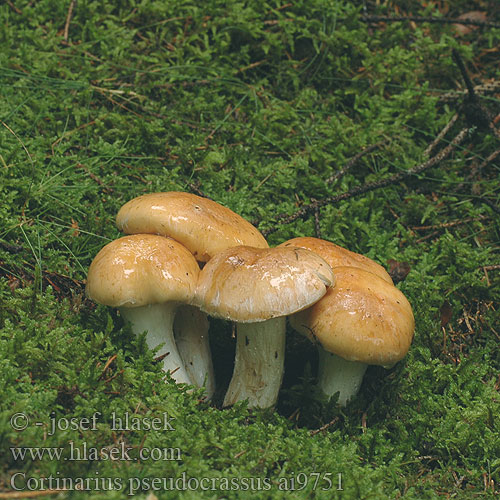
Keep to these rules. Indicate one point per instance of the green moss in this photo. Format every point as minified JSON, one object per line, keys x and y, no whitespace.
{"x":256,"y":105}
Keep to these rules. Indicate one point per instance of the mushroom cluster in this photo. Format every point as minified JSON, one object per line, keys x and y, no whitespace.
{"x":362,"y":320}
{"x":185,"y":258}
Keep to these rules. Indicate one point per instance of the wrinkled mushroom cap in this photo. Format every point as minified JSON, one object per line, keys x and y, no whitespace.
{"x":142,"y":269}
{"x":337,"y":256}
{"x":246,"y":284}
{"x":361,"y":318}
{"x":203,"y":226}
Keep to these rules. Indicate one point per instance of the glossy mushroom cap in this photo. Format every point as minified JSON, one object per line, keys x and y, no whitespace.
{"x":203,"y":226}
{"x":338,"y":256}
{"x":361,"y":318}
{"x":141,"y":269}
{"x":247,"y":284}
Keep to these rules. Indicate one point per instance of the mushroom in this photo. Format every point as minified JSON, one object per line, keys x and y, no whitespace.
{"x":337,"y":256}
{"x":146,"y":276}
{"x":362,"y":320}
{"x":204,"y":227}
{"x":257,"y":289}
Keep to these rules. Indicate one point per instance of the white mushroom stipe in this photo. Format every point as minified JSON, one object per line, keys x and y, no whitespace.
{"x":191,"y":336}
{"x":157,"y":321}
{"x":258,"y":364}
{"x":336,"y":374}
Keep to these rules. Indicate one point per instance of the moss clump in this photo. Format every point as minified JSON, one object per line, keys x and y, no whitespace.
{"x":255,"y":105}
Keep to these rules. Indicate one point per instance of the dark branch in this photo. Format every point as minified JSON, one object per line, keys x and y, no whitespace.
{"x":461,"y":66}
{"x":338,"y":175}
{"x":474,"y":113}
{"x":372,"y":186}
{"x":488,"y":202}
{"x":419,"y":19}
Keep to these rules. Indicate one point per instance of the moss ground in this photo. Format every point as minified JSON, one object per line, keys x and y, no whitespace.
{"x":256,"y":105}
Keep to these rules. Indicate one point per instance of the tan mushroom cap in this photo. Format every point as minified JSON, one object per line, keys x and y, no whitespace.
{"x":337,"y":256}
{"x":203,"y":226}
{"x":141,"y":269}
{"x":247,"y":284}
{"x":361,"y":318}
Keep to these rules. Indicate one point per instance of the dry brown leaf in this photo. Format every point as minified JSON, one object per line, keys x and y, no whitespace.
{"x":75,"y":227}
{"x":446,"y":312}
{"x":398,"y":270}
{"x":474,"y":15}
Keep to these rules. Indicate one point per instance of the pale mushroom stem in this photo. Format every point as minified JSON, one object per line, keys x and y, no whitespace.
{"x":158,"y":321}
{"x":191,"y":335}
{"x":258,"y":364}
{"x":336,"y":374}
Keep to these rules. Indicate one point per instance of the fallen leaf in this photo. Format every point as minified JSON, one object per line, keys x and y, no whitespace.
{"x":75,"y":227}
{"x":398,"y":270}
{"x":446,"y":312}
{"x":474,"y":15}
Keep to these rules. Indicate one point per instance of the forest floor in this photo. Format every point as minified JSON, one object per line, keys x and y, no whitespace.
{"x":374,"y":125}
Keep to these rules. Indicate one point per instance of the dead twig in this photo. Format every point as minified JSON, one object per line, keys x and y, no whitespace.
{"x":95,"y":178}
{"x":430,"y":148}
{"x":494,"y":267}
{"x":63,"y":286}
{"x":105,"y":92}
{"x":317,"y":226}
{"x":195,"y":188}
{"x":474,"y":113}
{"x":481,"y":89}
{"x":489,"y":159}
{"x":107,"y":365}
{"x":477,"y":169}
{"x":436,"y":20}
{"x":338,"y":175}
{"x":324,"y":427}
{"x":11,"y":248}
{"x":371,"y":186}
{"x":491,"y":205}
{"x":71,"y":8}
{"x":14,"y":8}
{"x":446,"y":225}
{"x":30,"y":494}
